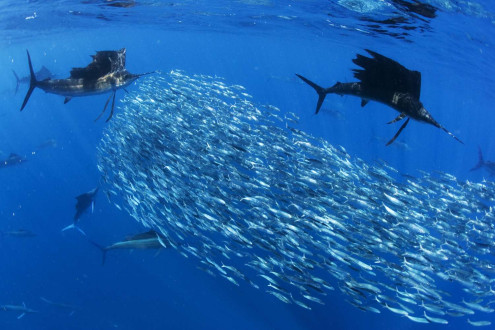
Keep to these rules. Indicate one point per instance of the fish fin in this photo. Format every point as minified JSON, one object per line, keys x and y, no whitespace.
{"x":102,"y":249}
{"x":104,"y":108}
{"x":46,"y":300}
{"x":32,"y":83}
{"x":318,"y":89}
{"x":20,"y":316}
{"x":92,"y":207}
{"x":80,"y":230}
{"x":17,"y":81}
{"x":111,"y":111}
{"x":399,"y":117}
{"x":364,"y":102}
{"x":398,"y":132}
{"x":73,"y":226}
{"x":481,"y":161}
{"x":67,"y":99}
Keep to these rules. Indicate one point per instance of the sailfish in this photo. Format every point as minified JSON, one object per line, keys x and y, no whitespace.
{"x":106,"y":73}
{"x":383,"y":80}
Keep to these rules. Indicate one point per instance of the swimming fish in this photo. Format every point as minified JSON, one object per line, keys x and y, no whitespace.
{"x":148,"y":240}
{"x":13,"y":159}
{"x":488,"y":165}
{"x":260,"y":203}
{"x":50,"y":143}
{"x":106,"y":73}
{"x":61,"y":305}
{"x":18,"y":233}
{"x":386,"y":81}
{"x":84,"y":201}
{"x":18,"y":308}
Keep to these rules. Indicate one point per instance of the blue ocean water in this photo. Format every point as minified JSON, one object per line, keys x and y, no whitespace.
{"x":259,"y":45}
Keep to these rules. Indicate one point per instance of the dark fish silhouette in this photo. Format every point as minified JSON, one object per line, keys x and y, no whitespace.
{"x":106,"y":73}
{"x":50,"y":143}
{"x":84,"y":201}
{"x":13,"y":159}
{"x":415,"y":7}
{"x":488,"y":165}
{"x":42,"y":74}
{"x":18,"y":233}
{"x":386,"y":81}
{"x":148,"y":240}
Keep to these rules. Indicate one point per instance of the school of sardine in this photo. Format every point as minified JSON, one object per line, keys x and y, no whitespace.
{"x":258,"y":201}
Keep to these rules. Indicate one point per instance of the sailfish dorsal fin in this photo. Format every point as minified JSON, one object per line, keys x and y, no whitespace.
{"x":386,"y":76}
{"x":104,"y":62}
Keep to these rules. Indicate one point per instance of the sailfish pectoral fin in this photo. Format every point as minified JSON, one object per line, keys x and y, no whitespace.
{"x":67,"y":99}
{"x":111,"y":111}
{"x":399,"y":117}
{"x":104,"y":108}
{"x":398,"y":132}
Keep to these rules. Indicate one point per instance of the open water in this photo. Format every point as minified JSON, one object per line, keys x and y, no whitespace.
{"x":220,"y":151}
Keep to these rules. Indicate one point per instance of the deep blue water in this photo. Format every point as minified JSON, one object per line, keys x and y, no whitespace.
{"x":259,"y":45}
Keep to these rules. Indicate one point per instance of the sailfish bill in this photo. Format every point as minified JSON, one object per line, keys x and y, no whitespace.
{"x":383,"y":80}
{"x":106,"y":73}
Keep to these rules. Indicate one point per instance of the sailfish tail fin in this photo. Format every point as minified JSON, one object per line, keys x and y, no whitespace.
{"x":32,"y":83}
{"x":481,"y":161}
{"x":320,"y":90}
{"x":74,"y":226}
{"x":102,"y":249}
{"x":18,"y":81}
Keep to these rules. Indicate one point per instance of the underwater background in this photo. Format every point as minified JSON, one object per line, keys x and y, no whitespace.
{"x":259,"y":45}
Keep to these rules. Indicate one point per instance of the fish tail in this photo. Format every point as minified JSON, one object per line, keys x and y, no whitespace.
{"x":18,"y":81}
{"x":481,"y":161}
{"x":32,"y":83}
{"x":320,"y":90}
{"x":102,"y":249}
{"x":73,"y":226}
